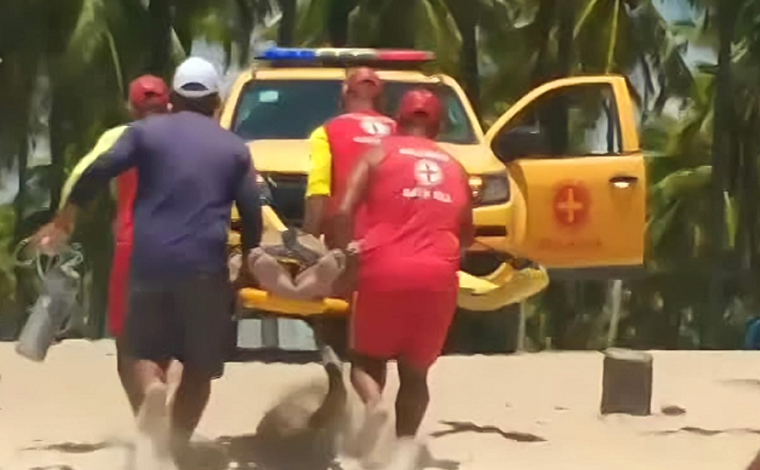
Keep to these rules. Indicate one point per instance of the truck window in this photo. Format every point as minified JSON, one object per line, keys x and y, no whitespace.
{"x":575,"y":121}
{"x":292,"y":109}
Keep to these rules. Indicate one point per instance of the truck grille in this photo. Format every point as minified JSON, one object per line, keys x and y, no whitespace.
{"x":288,"y":192}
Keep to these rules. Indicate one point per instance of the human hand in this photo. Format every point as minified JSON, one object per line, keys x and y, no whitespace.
{"x":346,"y":283}
{"x":50,"y":240}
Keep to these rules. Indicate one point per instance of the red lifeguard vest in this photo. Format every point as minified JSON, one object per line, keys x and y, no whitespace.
{"x":414,"y":208}
{"x":350,"y":136}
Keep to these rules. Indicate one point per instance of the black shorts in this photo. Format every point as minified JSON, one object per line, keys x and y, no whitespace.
{"x":188,"y":320}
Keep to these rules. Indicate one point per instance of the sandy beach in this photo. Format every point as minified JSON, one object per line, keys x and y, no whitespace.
{"x":528,"y":411}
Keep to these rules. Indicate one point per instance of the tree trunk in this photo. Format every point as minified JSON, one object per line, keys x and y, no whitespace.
{"x":720,"y":159}
{"x":286,"y":30}
{"x":614,"y":303}
{"x":337,"y":21}
{"x":545,"y":19}
{"x":565,"y":46}
{"x":397,"y":24}
{"x":466,"y":19}
{"x":19,"y":207}
{"x":560,"y":302}
{"x":182,"y":25}
{"x":668,"y":333}
{"x":747,"y":230}
{"x":98,"y":252}
{"x":161,"y":36}
{"x":566,"y":13}
{"x":57,"y":148}
{"x":19,"y":203}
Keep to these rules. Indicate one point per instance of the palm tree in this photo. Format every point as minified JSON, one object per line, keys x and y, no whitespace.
{"x":467,"y":17}
{"x":287,"y":22}
{"x":726,"y":12}
{"x":86,"y":52}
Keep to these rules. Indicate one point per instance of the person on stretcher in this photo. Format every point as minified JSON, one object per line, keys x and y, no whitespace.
{"x":301,"y":268}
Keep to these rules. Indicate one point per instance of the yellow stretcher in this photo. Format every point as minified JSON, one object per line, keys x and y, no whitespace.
{"x":503,"y":287}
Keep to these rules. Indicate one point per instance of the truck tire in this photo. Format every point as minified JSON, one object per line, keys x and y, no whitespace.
{"x":492,"y":332}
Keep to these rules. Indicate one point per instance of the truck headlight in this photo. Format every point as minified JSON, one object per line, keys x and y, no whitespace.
{"x":489,"y":189}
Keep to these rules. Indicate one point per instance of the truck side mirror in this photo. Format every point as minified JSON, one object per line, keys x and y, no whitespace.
{"x":520,"y":142}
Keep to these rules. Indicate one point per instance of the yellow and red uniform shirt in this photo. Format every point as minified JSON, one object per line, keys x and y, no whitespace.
{"x":335,"y":149}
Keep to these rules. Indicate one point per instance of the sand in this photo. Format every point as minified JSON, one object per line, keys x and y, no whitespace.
{"x":530,"y":411}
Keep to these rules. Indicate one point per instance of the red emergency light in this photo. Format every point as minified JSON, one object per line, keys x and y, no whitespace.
{"x":346,"y":57}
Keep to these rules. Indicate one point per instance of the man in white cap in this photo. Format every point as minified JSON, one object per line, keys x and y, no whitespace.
{"x":189,"y":172}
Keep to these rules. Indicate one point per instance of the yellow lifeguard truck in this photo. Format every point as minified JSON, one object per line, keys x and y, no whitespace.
{"x":559,"y":179}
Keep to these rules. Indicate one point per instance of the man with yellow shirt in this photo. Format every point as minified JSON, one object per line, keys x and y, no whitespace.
{"x":337,"y":145}
{"x":148,"y":95}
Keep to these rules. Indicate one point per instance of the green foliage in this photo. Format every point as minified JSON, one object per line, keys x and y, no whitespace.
{"x":80,"y":58}
{"x":7,"y":277}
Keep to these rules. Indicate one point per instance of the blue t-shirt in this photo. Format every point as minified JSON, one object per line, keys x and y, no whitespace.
{"x":190,"y":171}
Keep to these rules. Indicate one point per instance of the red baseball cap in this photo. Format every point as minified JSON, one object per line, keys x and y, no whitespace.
{"x":148,"y":89}
{"x":420,"y":103}
{"x":364,"y":76}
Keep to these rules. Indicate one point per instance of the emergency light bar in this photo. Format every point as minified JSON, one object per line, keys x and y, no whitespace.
{"x":345,"y":56}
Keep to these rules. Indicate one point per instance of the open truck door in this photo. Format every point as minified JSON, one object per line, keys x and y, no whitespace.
{"x":572,"y":149}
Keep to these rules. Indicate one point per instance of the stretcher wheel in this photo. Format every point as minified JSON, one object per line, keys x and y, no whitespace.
{"x":251,"y":298}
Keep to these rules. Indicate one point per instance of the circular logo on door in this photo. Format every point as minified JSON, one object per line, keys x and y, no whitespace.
{"x":428,"y":173}
{"x":571,"y":204}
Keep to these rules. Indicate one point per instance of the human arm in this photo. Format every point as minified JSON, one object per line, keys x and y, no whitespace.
{"x":110,"y":153}
{"x":358,"y":184}
{"x":356,"y":190}
{"x":53,"y":236}
{"x":103,"y":145}
{"x":111,"y":163}
{"x":319,"y":183}
{"x":248,"y":203}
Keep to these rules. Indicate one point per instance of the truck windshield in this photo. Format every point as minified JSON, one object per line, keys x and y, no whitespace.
{"x":292,"y":109}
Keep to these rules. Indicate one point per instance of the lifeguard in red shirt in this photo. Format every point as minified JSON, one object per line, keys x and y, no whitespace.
{"x":418,"y":221}
{"x":338,"y":145}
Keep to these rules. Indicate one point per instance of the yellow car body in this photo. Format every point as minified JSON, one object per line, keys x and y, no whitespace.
{"x":575,"y":209}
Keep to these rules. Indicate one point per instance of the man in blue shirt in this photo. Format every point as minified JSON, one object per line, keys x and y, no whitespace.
{"x":190,"y":171}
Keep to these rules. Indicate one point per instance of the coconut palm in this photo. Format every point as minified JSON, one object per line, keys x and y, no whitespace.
{"x":79,"y":59}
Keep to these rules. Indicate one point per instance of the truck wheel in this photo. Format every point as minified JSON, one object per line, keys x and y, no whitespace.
{"x":493,"y":332}
{"x":488,"y":332}
{"x":333,"y":332}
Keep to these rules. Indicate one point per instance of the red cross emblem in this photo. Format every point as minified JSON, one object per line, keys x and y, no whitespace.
{"x":375,"y":127}
{"x":428,"y":173}
{"x":571,"y":204}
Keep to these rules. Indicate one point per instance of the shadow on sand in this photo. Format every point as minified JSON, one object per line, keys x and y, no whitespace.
{"x":706,"y":432}
{"x":244,"y":452}
{"x":247,"y":452}
{"x":456,"y":427}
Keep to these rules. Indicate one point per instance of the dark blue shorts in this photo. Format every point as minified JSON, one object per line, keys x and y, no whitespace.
{"x":185,"y":319}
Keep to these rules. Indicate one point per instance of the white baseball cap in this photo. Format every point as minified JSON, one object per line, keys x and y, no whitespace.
{"x":195,"y":78}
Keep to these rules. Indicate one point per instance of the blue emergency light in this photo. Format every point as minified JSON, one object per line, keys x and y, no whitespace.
{"x":288,"y":53}
{"x":347,"y":55}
